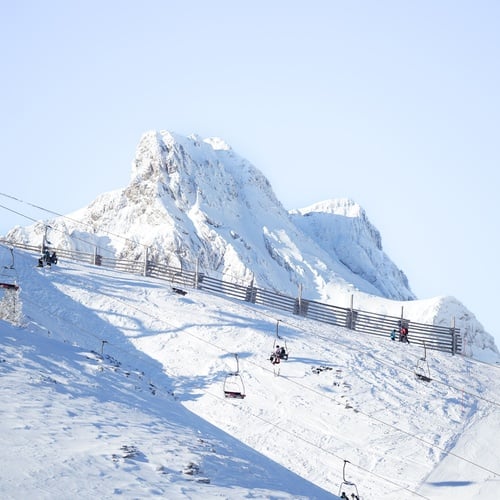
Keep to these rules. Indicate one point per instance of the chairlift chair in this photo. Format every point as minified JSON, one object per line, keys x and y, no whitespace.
{"x":8,"y":275}
{"x":422,"y":371}
{"x":47,"y":258}
{"x":233,"y":383}
{"x":348,"y":486}
{"x":275,"y":358}
{"x":9,"y":286}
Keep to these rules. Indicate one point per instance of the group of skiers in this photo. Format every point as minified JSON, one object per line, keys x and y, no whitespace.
{"x":403,"y":334}
{"x":353,"y":496}
{"x":47,"y":258}
{"x":278,"y":355}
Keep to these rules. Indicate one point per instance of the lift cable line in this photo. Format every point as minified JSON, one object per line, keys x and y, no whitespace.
{"x":380,"y":421}
{"x":446,"y":452}
{"x":384,"y":360}
{"x":75,"y":221}
{"x":18,"y":213}
{"x":87,"y":226}
{"x":319,"y":447}
{"x":322,"y":394}
{"x":46,"y":225}
{"x":332,"y":340}
{"x":303,"y":386}
{"x":117,"y":347}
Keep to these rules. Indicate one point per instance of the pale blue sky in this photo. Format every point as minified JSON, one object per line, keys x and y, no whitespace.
{"x":395,"y":104}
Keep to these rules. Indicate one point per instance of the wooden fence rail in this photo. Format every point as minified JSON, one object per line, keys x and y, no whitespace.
{"x":434,"y":337}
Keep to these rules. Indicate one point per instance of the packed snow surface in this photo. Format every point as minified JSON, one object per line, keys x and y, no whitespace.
{"x":113,"y":387}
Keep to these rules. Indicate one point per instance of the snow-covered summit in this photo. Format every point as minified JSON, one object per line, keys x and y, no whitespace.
{"x":343,"y":226}
{"x":194,"y":202}
{"x":337,"y":206}
{"x":218,"y":143}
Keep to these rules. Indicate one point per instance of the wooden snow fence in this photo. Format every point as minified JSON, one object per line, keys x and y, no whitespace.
{"x":435,"y":337}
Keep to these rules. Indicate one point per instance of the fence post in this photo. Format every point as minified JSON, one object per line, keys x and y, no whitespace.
{"x":351,"y":312}
{"x":196,"y":271}
{"x":453,"y":337}
{"x":145,"y":270}
{"x":97,"y":258}
{"x":250,"y":295}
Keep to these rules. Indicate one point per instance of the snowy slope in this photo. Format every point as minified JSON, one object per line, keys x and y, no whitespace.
{"x":78,"y":424}
{"x":68,"y":414}
{"x":195,"y":203}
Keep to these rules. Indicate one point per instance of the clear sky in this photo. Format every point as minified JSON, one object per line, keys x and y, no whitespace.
{"x":395,"y":104}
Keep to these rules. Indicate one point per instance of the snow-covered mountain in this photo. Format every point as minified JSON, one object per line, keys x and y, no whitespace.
{"x":342,"y":228}
{"x":194,"y":202}
{"x":112,"y":387}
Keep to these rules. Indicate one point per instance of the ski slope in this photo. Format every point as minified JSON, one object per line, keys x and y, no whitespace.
{"x":113,"y":387}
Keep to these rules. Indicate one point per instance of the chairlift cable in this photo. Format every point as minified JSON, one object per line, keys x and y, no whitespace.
{"x":61,"y":216}
{"x":247,"y":412}
{"x":18,"y":213}
{"x":378,"y":420}
{"x":391,"y":365}
{"x":382,"y":361}
{"x":428,"y":443}
{"x":489,"y":401}
{"x":319,"y":447}
{"x":416,"y":437}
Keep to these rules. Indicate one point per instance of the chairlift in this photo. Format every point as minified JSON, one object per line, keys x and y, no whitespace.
{"x":47,"y":258}
{"x":422,"y":371}
{"x":348,"y":486}
{"x":233,"y":383}
{"x":8,"y":275}
{"x":280,"y":351}
{"x":9,"y":286}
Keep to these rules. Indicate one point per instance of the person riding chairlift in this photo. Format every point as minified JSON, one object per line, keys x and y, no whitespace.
{"x":345,"y":497}
{"x":276,"y":356}
{"x":47,"y":258}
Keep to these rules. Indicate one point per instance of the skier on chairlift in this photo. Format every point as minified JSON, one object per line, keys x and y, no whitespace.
{"x":275,"y":356}
{"x":47,"y":258}
{"x":345,"y":497}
